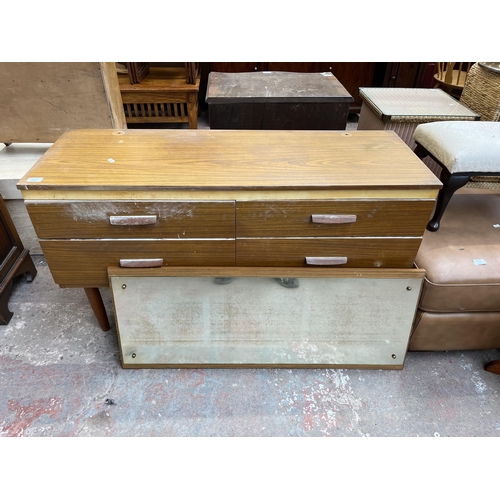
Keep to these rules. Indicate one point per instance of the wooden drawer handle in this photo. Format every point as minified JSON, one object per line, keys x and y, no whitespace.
{"x":333,"y":219}
{"x":141,"y":262}
{"x":132,"y":220}
{"x":326,"y":261}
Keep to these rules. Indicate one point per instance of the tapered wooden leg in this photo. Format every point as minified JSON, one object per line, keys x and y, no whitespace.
{"x":493,"y":367}
{"x":97,"y":305}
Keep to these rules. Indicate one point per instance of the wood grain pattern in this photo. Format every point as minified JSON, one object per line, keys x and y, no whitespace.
{"x":6,"y":243}
{"x":112,"y":90}
{"x":493,"y":366}
{"x":151,"y":111}
{"x":137,"y":71}
{"x":275,"y":86}
{"x":360,"y":252}
{"x":150,"y":96}
{"x":163,"y":96}
{"x":95,"y":300}
{"x":277,"y":272}
{"x":293,"y":218}
{"x":233,"y":159}
{"x":230,"y":194}
{"x":160,"y":79}
{"x":150,"y":163}
{"x":14,"y":261}
{"x":352,"y":75}
{"x":192,"y":71}
{"x":277,"y":101}
{"x":84,"y":263}
{"x":278,"y":116}
{"x":176,"y":219}
{"x":11,"y":245}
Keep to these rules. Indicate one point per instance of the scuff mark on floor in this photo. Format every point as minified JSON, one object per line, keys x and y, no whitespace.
{"x":27,"y":415}
{"x":328,"y":405}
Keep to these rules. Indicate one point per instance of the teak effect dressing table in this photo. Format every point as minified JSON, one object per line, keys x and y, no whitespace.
{"x":314,"y":230}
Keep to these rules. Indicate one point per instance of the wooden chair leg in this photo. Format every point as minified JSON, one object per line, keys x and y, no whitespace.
{"x":493,"y":366}
{"x":5,"y":313}
{"x":193,"y":111}
{"x":27,"y":268}
{"x":24,"y":266}
{"x":97,"y":305}
{"x":450,"y":185}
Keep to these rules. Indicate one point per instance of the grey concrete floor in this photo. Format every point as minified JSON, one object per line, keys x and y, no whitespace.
{"x":61,"y":375}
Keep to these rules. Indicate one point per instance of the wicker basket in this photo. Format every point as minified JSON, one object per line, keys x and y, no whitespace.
{"x":482,"y":93}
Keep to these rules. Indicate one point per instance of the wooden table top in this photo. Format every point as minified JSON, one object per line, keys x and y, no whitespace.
{"x":249,"y":160}
{"x":275,"y":86}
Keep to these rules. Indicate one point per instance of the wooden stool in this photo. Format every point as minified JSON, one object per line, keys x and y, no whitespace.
{"x":461,"y":149}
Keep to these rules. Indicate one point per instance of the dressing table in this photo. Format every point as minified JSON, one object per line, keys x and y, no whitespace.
{"x":135,"y":207}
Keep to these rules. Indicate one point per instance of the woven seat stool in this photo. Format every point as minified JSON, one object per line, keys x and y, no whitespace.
{"x":462,"y":150}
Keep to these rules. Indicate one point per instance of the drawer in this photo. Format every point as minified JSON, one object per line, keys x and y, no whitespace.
{"x":359,"y":252}
{"x":339,"y":218}
{"x":132,"y":219}
{"x":84,"y":263}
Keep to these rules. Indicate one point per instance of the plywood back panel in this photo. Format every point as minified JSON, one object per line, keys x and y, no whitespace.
{"x":40,"y":101}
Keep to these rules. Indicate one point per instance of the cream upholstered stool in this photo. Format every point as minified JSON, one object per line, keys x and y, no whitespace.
{"x":462,"y":149}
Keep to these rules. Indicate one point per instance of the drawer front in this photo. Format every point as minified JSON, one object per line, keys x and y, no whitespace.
{"x":333,"y":218}
{"x":84,"y":263}
{"x":117,"y":219}
{"x":343,"y":252}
